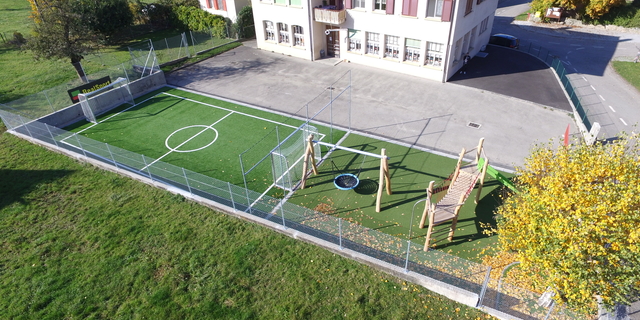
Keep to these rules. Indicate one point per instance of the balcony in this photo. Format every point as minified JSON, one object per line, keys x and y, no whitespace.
{"x":330,"y":15}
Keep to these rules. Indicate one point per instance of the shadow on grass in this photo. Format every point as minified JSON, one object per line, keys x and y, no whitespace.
{"x":15,"y":184}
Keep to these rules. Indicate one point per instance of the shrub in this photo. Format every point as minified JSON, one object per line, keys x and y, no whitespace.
{"x":244,"y":22}
{"x":196,"y":19}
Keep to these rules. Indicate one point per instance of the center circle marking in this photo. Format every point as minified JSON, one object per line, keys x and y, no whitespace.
{"x":166,"y":142}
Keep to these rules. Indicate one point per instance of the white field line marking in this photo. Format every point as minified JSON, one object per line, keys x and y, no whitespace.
{"x":623,"y":122}
{"x":103,"y":120}
{"x":592,"y":87}
{"x":610,"y":107}
{"x":601,"y":97}
{"x":221,"y":108}
{"x":260,"y":197}
{"x":180,"y":145}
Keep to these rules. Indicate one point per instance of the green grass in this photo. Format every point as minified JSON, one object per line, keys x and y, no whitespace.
{"x":629,"y":71}
{"x":80,"y":242}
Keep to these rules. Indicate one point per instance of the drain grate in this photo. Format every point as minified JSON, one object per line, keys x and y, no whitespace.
{"x":474,"y":125}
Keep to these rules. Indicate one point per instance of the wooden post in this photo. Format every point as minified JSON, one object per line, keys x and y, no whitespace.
{"x":308,"y":153}
{"x":384,"y":177}
{"x":479,"y":149}
{"x":452,"y":229}
{"x":427,"y":206}
{"x":482,"y":175}
{"x":457,"y":172}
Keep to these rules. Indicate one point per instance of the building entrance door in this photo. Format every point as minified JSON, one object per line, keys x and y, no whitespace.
{"x":333,"y":43}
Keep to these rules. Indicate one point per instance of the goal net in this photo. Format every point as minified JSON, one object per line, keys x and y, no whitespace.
{"x":287,"y":159}
{"x":104,"y":99}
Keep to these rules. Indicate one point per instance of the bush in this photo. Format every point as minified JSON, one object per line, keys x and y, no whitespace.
{"x":627,"y":16}
{"x":244,"y":23}
{"x":196,"y":19}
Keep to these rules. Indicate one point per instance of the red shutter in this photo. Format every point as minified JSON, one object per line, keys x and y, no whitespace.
{"x":405,"y":7}
{"x":208,"y":3}
{"x":215,"y":4}
{"x":224,"y":5}
{"x":347,"y":4}
{"x":389,"y":6}
{"x":413,"y":8}
{"x":447,"y":10}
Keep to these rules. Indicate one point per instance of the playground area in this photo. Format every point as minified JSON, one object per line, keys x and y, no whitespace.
{"x":264,"y":152}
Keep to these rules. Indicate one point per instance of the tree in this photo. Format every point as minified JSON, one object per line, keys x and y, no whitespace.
{"x":575,"y":223}
{"x":594,"y":9}
{"x":60,"y":32}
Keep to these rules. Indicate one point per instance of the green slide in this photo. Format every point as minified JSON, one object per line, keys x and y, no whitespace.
{"x":498,"y":176}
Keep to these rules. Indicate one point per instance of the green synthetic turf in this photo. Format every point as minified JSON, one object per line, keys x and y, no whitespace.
{"x":167,"y":120}
{"x":145,"y":129}
{"x":411,"y":171}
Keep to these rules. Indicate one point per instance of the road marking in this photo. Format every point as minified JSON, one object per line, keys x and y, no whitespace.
{"x":568,"y":62}
{"x":610,"y":107}
{"x":580,"y":48}
{"x":585,"y":79}
{"x":623,"y":122}
{"x":598,"y":47}
{"x":601,"y":97}
{"x":594,"y":89}
{"x":574,"y":45}
{"x":576,"y":70}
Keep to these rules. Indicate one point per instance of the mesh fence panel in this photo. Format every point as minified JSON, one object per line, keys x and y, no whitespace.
{"x":170,"y":49}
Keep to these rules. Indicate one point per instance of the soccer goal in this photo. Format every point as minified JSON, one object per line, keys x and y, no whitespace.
{"x":104,"y":99}
{"x":287,"y":158}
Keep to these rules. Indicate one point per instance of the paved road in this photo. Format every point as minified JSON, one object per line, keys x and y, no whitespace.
{"x":586,"y":52}
{"x":414,"y":111}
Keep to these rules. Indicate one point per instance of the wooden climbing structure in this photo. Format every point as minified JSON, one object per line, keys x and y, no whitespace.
{"x":463,"y":180}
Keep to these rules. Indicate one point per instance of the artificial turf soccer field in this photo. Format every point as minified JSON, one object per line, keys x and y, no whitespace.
{"x":207,"y":135}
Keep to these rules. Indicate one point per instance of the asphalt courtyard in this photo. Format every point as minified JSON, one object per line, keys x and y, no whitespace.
{"x":515,"y":104}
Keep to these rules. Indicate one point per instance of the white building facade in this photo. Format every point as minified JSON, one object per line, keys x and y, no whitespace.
{"x":424,"y":38}
{"x":226,"y":8}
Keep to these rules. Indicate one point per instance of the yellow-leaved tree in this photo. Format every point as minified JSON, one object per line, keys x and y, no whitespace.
{"x":592,"y":8}
{"x":575,"y":225}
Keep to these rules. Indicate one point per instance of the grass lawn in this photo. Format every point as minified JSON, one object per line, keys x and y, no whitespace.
{"x":80,"y":242}
{"x":629,"y":71}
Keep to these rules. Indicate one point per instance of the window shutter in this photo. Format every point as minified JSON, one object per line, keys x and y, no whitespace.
{"x":390,"y":6}
{"x":208,"y":3}
{"x":447,"y":10}
{"x":215,"y":4}
{"x":347,"y":4}
{"x":406,"y":4}
{"x":224,"y":5}
{"x":413,"y":8}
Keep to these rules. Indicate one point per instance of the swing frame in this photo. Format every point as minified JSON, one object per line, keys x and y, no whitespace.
{"x":385,"y":178}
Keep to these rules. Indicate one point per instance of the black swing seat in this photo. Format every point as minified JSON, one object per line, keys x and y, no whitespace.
{"x":346,"y":181}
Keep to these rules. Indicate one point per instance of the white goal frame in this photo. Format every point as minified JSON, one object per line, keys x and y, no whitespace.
{"x":88,"y":101}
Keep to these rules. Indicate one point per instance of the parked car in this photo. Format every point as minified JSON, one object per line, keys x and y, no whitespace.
{"x":505,"y":40}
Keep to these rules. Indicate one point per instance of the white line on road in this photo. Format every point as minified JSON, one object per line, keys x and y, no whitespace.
{"x":601,"y":97}
{"x":610,"y":107}
{"x":594,"y":89}
{"x":576,"y":70}
{"x":623,"y":122}
{"x":585,"y":79}
{"x":579,"y":48}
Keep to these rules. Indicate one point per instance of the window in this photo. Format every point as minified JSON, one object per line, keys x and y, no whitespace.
{"x":412,"y":50}
{"x":358,"y":4}
{"x":355,"y":41}
{"x":434,"y":8}
{"x":391,"y":47}
{"x":381,"y":5}
{"x":469,"y":7}
{"x":220,"y":5}
{"x":282,"y":2}
{"x":373,"y":43}
{"x":465,"y":43}
{"x":434,"y":54}
{"x":458,"y":50}
{"x":410,"y":8}
{"x":269,"y":31}
{"x":283,"y":31}
{"x":472,"y":41}
{"x":479,"y":1}
{"x":483,"y":25}
{"x":297,"y":3}
{"x":298,"y":36}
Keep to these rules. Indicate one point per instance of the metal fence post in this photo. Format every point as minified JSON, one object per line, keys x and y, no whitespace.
{"x":80,"y":145}
{"x":485,"y":284}
{"x":184,"y":172}
{"x":52,"y":137}
{"x":406,"y":263}
{"x":49,"y":101}
{"x":233,"y":203}
{"x":146,"y":166}
{"x":340,"y":232}
{"x":186,"y":44}
{"x":112,"y":158}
